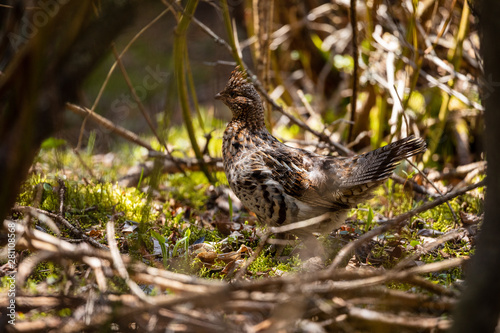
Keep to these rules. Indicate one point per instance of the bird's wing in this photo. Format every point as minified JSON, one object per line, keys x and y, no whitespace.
{"x":296,"y":170}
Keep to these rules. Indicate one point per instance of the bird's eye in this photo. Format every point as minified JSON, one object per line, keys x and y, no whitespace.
{"x":233,"y":94}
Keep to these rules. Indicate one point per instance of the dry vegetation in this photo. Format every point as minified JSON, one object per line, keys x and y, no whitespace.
{"x":104,"y":243}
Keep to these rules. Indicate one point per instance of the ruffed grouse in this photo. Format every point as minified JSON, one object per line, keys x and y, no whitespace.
{"x":281,"y":184}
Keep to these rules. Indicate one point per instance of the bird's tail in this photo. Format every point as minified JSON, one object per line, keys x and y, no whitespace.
{"x":378,"y":165}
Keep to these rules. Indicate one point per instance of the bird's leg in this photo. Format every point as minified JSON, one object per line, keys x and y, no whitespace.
{"x":312,"y":247}
{"x":280,"y":242}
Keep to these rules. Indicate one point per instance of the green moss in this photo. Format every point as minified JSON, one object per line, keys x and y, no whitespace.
{"x":266,"y":263}
{"x":65,"y":312}
{"x":190,"y":189}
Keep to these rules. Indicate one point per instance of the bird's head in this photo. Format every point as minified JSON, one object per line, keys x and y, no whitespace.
{"x":242,"y":98}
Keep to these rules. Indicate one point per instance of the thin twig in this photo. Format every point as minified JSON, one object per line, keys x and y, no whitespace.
{"x":111,"y":70}
{"x":378,"y":318}
{"x":145,"y":114}
{"x":414,"y":186}
{"x":108,"y":124}
{"x":299,"y":225}
{"x":118,"y":262}
{"x":436,"y":188}
{"x":60,"y":219}
{"x":62,"y":193}
{"x":427,"y":247}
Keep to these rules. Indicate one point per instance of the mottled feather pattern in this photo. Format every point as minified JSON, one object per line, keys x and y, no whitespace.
{"x":281,"y":184}
{"x":289,"y":167}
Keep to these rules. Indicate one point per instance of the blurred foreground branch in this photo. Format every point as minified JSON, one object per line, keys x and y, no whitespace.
{"x":217,"y":305}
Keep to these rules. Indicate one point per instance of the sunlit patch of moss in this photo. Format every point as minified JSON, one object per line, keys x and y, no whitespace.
{"x":442,"y":216}
{"x":390,"y":197}
{"x":64,"y":312}
{"x":190,"y":189}
{"x":263,"y":263}
{"x":64,"y":163}
{"x":5,"y":283}
{"x":266,"y":263}
{"x":90,"y":206}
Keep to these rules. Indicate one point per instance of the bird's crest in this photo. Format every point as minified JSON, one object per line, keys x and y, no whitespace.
{"x":238,"y":77}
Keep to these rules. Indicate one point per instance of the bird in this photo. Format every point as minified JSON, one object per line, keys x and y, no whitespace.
{"x":285,"y":185}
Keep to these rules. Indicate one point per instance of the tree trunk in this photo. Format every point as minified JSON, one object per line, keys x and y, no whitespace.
{"x":42,"y":68}
{"x":479,"y":307}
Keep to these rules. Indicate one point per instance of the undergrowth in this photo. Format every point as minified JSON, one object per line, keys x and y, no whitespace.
{"x":158,"y":225}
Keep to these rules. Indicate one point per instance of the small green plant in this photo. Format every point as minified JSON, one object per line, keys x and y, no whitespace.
{"x":140,"y":179}
{"x":163,"y":247}
{"x":369,"y":220}
{"x":91,"y":143}
{"x":184,"y":240}
{"x":414,"y":242}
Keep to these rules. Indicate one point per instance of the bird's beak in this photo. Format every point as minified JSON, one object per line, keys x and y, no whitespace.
{"x":219,"y":96}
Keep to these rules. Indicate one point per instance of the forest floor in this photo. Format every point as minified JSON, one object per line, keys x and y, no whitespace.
{"x":175,"y":249}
